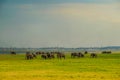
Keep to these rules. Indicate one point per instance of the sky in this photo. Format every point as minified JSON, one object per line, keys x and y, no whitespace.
{"x":59,"y":23}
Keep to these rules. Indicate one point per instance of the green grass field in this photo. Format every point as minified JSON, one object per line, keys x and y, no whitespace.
{"x":15,"y":67}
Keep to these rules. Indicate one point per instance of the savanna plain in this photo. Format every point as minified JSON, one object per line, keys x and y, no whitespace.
{"x":104,"y":67}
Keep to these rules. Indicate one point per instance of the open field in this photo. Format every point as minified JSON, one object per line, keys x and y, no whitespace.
{"x":15,"y":67}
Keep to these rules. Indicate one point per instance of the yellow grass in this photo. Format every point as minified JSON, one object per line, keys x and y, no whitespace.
{"x":57,"y":75}
{"x":105,"y":67}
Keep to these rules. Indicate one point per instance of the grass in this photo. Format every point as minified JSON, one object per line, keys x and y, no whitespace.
{"x":15,"y":67}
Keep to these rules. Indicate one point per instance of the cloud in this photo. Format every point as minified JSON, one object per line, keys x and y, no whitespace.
{"x":92,"y":12}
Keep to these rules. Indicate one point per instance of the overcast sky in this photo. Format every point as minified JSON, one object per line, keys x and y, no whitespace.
{"x":59,"y":23}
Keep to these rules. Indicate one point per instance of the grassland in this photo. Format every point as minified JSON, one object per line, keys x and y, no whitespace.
{"x":15,"y":67}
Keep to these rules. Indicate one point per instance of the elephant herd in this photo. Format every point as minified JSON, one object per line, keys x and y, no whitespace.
{"x":106,"y":52}
{"x":59,"y":55}
{"x":30,"y":55}
{"x":77,"y":54}
{"x":45,"y":55}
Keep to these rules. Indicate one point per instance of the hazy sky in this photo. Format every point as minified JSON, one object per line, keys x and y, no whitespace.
{"x":59,"y":23}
